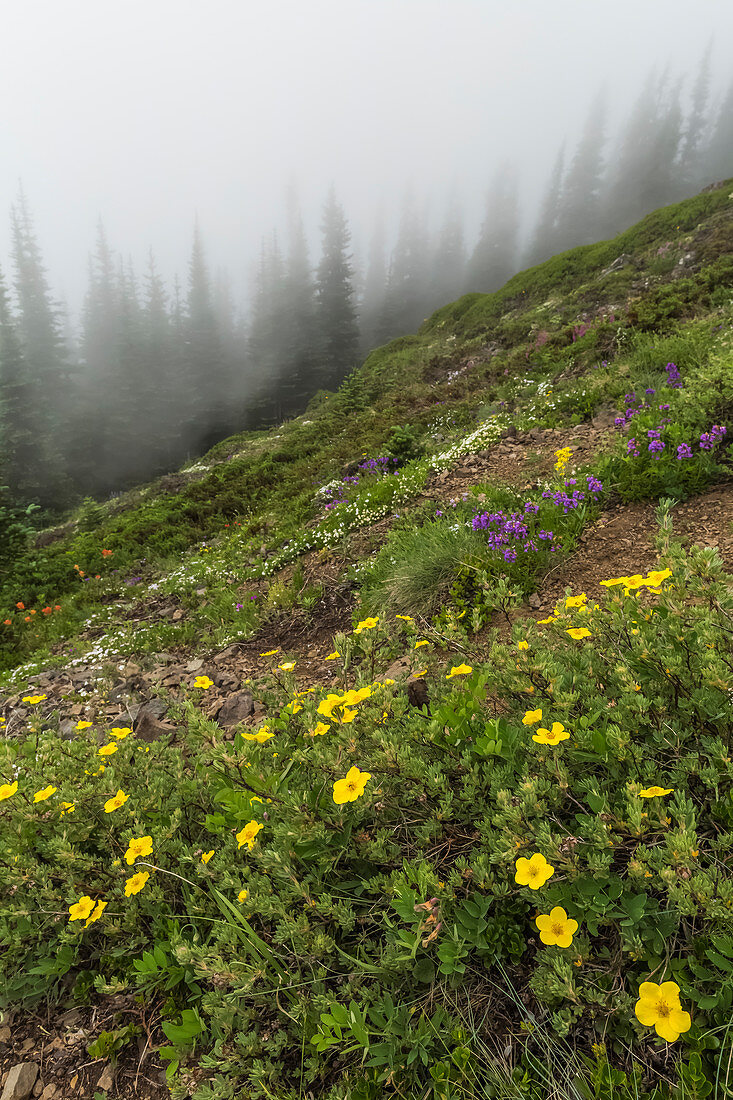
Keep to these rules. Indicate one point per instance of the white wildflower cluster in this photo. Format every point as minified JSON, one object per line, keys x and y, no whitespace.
{"x":486,"y":433}
{"x":377,"y":501}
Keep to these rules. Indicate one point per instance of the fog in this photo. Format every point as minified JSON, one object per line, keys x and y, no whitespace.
{"x":148,"y":113}
{"x":233,"y":201}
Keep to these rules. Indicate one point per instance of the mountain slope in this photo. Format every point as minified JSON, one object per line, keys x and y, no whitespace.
{"x":286,"y":729}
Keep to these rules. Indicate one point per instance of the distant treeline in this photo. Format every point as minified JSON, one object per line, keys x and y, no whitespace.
{"x":155,"y":376}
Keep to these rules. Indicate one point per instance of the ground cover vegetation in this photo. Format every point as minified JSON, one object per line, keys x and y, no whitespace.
{"x":510,"y":881}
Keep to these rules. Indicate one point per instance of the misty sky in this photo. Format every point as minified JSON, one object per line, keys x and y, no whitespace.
{"x":147,"y":112}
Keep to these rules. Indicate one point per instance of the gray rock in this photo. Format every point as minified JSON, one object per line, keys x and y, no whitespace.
{"x":235,"y":709}
{"x":20,"y":1081}
{"x":147,"y":725}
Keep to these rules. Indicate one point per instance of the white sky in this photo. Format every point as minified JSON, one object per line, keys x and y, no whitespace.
{"x":147,"y":112}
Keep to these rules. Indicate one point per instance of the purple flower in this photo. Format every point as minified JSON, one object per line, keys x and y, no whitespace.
{"x":684,"y":451}
{"x":650,"y":392}
{"x":239,"y":607}
{"x":656,"y":447}
{"x":631,"y":448}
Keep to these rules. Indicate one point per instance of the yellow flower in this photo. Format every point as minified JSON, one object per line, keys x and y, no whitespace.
{"x":423,"y":642}
{"x":248,"y":834}
{"x":347,"y":716}
{"x":107,"y":750}
{"x":522,"y":645}
{"x":326,"y":706}
{"x":119,"y":732}
{"x":578,"y":632}
{"x":553,"y":736}
{"x":287,"y":666}
{"x":114,"y":803}
{"x":99,"y":771}
{"x":655,"y":792}
{"x":269,"y":653}
{"x":294,"y":706}
{"x":33,"y":699}
{"x":333,"y":656}
{"x":203,"y":682}
{"x":67,"y":808}
{"x":83,"y":725}
{"x":135,"y":883}
{"x":406,"y":618}
{"x":656,"y":576}
{"x":81,"y":909}
{"x":366,"y":624}
{"x":576,"y":601}
{"x":206,"y":856}
{"x":8,"y":789}
{"x":350,"y":788}
{"x":137,"y":847}
{"x":533,"y":872}
{"x":321,"y":728}
{"x":541,"y":622}
{"x":41,"y":796}
{"x":459,"y":670}
{"x":532,"y":716}
{"x":101,"y":906}
{"x":616,"y":580}
{"x":556,"y":928}
{"x":260,"y":737}
{"x":242,"y":895}
{"x":352,"y":698}
{"x":416,"y":675}
{"x":659,"y":1007}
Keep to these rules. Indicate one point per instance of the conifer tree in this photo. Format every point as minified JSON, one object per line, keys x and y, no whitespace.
{"x":646,"y":172}
{"x":336,"y":312}
{"x":205,"y":366}
{"x":299,"y":379}
{"x":545,"y":241}
{"x":579,"y":212}
{"x":47,"y":372}
{"x":448,"y":266}
{"x":408,"y":280}
{"x":20,"y":468}
{"x":374,"y":289}
{"x":719,"y":153}
{"x":696,"y":131}
{"x":494,"y":258}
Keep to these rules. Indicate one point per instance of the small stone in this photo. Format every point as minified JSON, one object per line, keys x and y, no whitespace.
{"x":20,"y":1081}
{"x":195,"y":665}
{"x":49,"y":1092}
{"x":107,"y":1079}
{"x":147,"y":725}
{"x":5,"y":1034}
{"x":37,"y":1088}
{"x":235,"y":709}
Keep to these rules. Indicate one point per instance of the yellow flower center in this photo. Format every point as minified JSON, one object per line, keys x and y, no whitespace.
{"x":557,"y":928}
{"x":663,"y":1009}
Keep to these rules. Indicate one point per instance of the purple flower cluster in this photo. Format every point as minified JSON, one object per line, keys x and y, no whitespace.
{"x":510,"y":533}
{"x":568,"y":502}
{"x":380,"y":465}
{"x":673,"y":376}
{"x":631,"y":448}
{"x":709,"y":439}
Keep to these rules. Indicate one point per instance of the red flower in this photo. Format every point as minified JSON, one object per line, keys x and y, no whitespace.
{"x":20,"y":606}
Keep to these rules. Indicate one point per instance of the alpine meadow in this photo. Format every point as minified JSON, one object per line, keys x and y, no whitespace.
{"x":366,"y":653}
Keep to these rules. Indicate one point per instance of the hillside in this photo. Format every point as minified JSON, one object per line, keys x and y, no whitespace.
{"x":388,"y":753}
